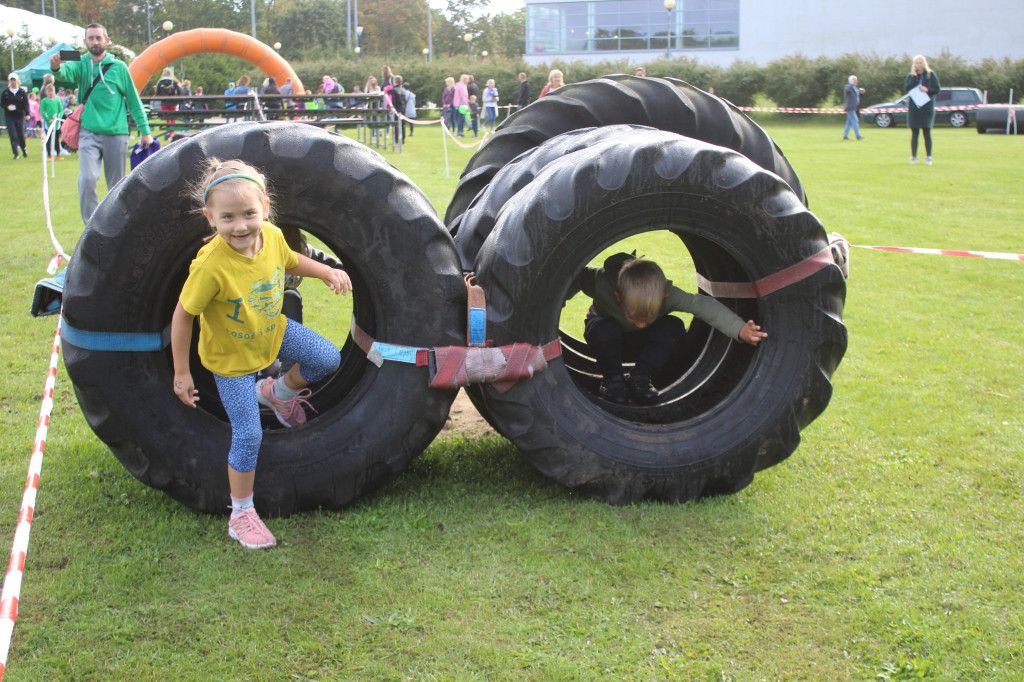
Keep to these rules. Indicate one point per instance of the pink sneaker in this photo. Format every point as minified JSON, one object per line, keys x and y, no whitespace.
{"x":249,"y":530}
{"x":288,"y":412}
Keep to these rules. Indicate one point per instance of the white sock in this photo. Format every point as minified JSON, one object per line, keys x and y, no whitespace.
{"x":282,"y":392}
{"x":240,"y":505}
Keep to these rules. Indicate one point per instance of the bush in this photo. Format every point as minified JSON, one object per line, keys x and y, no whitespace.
{"x":793,"y":81}
{"x":740,"y":83}
{"x":881,"y":77}
{"x":799,"y":81}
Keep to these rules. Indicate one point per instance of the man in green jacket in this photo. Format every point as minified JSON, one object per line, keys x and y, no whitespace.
{"x":103,"y":140}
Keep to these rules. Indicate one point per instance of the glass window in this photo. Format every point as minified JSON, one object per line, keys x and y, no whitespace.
{"x":964,"y":97}
{"x":577,"y":32}
{"x":634,"y":25}
{"x":543,"y":28}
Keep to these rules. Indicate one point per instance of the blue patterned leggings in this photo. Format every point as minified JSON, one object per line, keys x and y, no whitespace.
{"x":317,"y":358}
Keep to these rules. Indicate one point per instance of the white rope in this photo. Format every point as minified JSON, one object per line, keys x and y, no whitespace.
{"x":259,"y":107}
{"x":59,"y":256}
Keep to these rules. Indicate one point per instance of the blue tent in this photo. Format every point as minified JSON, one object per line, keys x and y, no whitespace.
{"x":31,"y":75}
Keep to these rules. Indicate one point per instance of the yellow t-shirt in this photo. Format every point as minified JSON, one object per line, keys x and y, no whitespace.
{"x":238,"y":301}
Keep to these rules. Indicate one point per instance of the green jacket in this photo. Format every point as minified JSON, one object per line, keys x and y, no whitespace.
{"x":600,"y":284}
{"x":921,"y":117}
{"x":104,"y":111}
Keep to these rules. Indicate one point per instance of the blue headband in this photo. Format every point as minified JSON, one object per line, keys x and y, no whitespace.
{"x":230,"y":177}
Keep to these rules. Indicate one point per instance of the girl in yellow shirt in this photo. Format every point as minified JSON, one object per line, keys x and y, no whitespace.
{"x":236,"y":286}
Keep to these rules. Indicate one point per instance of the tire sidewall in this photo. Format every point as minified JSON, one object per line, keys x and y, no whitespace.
{"x":527,"y":264}
{"x":127,"y":273}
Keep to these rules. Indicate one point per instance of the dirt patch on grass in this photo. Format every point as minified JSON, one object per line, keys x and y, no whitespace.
{"x":465,"y":420}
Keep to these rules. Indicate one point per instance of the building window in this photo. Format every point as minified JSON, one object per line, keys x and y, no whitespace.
{"x":631,"y":25}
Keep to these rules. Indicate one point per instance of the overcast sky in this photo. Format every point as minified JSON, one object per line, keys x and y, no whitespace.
{"x":506,"y":6}
{"x":496,"y":6}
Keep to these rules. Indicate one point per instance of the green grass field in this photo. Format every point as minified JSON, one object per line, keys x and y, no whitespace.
{"x":890,"y":545}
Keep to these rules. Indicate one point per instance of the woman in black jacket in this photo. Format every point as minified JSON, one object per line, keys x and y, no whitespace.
{"x":15,"y":105}
{"x":921,"y":117}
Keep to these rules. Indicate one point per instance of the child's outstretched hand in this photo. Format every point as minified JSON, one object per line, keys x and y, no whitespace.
{"x":185,"y":389}
{"x":337,"y":280}
{"x":751,"y":333}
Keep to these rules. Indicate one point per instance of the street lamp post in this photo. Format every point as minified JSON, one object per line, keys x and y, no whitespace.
{"x":359,"y":36}
{"x":10,"y":34}
{"x":168,"y":26}
{"x":484,"y":54}
{"x":355,"y":20}
{"x":426,"y":55}
{"x":469,"y":44}
{"x":669,"y":5}
{"x":359,"y":52}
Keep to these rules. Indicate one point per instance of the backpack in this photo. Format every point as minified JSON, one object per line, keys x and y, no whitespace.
{"x":166,"y":87}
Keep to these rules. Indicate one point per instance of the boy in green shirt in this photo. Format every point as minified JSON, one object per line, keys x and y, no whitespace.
{"x":49,"y":109}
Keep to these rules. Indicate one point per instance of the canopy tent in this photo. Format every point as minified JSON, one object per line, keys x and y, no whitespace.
{"x":31,"y":74}
{"x":48,"y":31}
{"x":38,"y":26}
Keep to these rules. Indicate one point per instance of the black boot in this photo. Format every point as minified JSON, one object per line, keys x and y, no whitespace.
{"x":614,"y":389}
{"x":641,"y":389}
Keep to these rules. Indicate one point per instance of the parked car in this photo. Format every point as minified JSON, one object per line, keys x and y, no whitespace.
{"x":880,"y":115}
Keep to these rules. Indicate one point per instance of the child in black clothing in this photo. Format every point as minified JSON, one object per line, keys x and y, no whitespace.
{"x":474,"y":114}
{"x":629,"y":318}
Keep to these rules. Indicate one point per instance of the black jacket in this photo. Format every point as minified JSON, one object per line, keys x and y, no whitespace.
{"x":19,"y":100}
{"x":524,"y":94}
{"x":166,"y":87}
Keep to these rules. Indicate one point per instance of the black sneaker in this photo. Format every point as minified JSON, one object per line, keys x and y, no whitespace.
{"x":614,"y":389}
{"x":642,"y":390}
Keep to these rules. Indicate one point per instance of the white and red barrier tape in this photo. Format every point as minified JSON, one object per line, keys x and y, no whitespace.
{"x":823,"y":110}
{"x":945,"y":252}
{"x":11,"y":590}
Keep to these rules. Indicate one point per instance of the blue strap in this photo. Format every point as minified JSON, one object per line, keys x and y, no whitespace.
{"x":477,"y":326}
{"x":88,"y":340}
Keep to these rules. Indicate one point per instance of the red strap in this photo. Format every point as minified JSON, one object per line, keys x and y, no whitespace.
{"x":519,"y":357}
{"x":451,"y":366}
{"x":771,"y":283}
{"x":551,"y":350}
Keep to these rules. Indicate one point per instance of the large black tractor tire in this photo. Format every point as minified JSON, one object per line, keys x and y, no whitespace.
{"x":482,"y":213}
{"x":127,"y":272}
{"x":727,"y":409}
{"x":992,"y":118}
{"x":663,"y":103}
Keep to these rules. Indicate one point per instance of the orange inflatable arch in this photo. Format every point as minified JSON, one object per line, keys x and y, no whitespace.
{"x":199,"y":40}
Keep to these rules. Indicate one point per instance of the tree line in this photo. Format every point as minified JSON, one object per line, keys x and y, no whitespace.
{"x":306,"y":29}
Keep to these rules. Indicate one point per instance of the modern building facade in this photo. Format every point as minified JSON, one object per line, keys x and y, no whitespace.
{"x":722,"y":31}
